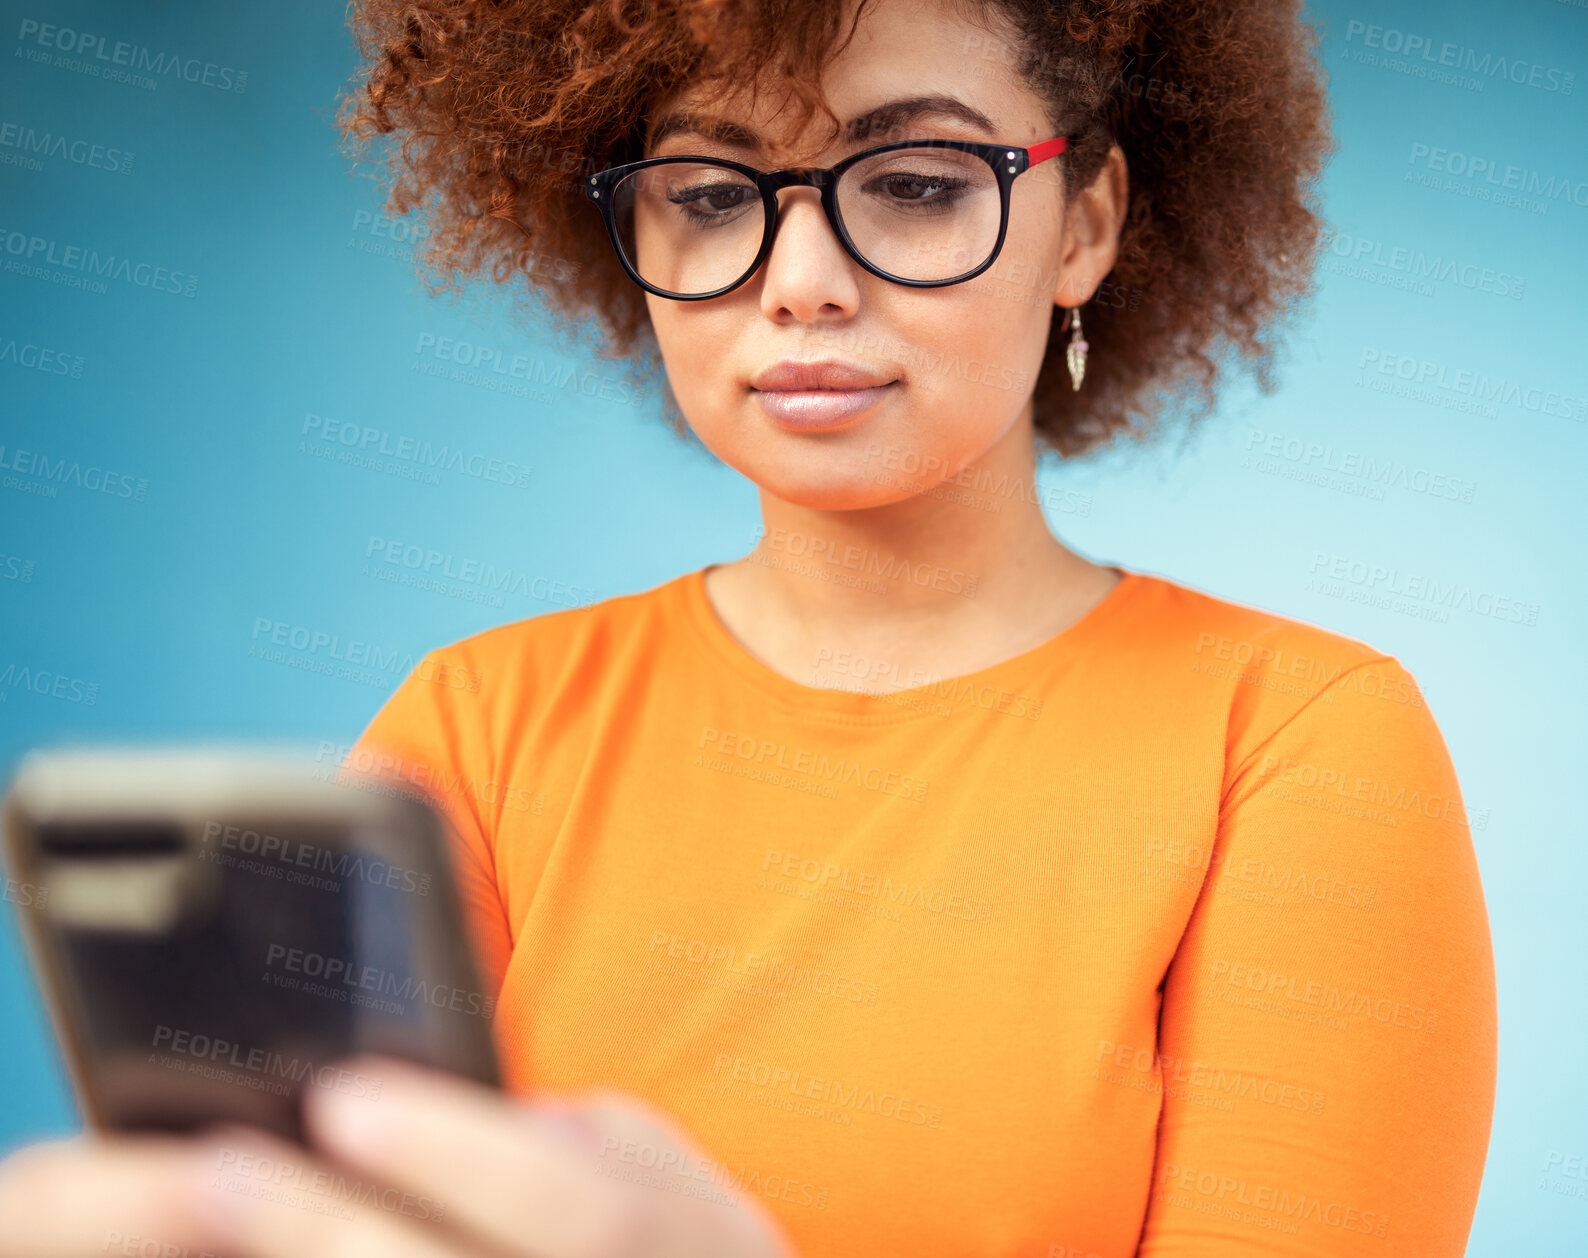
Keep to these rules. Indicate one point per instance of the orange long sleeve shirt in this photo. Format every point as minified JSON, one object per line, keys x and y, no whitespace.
{"x":1165,"y":937}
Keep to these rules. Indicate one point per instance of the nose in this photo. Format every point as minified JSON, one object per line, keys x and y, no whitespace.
{"x":807,"y":276}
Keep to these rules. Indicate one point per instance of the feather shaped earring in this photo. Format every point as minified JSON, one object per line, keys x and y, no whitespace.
{"x":1075,"y":352}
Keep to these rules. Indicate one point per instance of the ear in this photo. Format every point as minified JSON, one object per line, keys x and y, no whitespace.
{"x":1093,"y":218}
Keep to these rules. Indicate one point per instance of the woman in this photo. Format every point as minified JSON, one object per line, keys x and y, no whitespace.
{"x":912,"y":884}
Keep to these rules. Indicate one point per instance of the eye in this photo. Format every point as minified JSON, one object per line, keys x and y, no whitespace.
{"x":915,"y":187}
{"x":708,"y":203}
{"x":917,"y":193}
{"x":732,"y":193}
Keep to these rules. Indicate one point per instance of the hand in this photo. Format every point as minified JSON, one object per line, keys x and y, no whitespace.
{"x":435,"y":1167}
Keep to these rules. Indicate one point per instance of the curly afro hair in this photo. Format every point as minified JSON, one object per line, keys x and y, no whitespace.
{"x":504,"y":106}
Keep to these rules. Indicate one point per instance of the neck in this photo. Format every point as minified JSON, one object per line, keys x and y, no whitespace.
{"x":967,"y":567}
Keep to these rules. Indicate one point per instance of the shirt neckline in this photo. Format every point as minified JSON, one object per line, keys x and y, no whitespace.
{"x":859,"y":707}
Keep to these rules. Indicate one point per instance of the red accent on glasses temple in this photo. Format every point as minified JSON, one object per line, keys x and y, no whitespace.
{"x":1048,"y":148}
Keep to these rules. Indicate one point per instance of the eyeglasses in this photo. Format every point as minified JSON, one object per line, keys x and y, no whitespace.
{"x":919,"y":212}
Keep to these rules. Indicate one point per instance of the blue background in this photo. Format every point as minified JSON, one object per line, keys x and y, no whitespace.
{"x":151,"y":605}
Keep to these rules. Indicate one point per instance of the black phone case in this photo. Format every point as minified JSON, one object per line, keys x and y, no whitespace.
{"x":209,"y":966}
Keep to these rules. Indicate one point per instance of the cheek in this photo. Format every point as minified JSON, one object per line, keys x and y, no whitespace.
{"x":973,"y":357}
{"x":693,"y":352}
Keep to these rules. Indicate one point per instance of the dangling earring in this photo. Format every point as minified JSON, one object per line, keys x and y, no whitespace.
{"x":1075,"y":352}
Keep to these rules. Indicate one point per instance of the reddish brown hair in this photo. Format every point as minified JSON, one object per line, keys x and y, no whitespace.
{"x":503,"y":106}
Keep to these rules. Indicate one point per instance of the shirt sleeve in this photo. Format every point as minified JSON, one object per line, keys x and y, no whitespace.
{"x":427,"y":735}
{"x":1327,"y":1037}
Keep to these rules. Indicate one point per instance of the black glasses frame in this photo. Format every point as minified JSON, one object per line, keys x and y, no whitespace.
{"x":1008,"y":163}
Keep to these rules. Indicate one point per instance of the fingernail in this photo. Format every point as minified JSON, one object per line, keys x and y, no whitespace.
{"x":566,"y":1122}
{"x":356,"y":1121}
{"x":215,"y":1194}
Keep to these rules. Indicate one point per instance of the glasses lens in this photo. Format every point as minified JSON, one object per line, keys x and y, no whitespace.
{"x":922,"y":213}
{"x":689,"y":227}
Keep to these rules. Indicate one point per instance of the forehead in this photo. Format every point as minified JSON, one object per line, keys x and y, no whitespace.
{"x":913,"y":67}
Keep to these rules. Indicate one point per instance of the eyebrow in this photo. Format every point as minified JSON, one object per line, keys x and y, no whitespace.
{"x":886,"y":119}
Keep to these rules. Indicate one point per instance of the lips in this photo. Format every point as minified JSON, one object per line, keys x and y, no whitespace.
{"x":810,"y":395}
{"x":792,"y":376}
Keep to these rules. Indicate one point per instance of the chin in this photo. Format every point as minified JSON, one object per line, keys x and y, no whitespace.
{"x":836,"y":497}
{"x":832,"y":472}
{"x":834,"y":482}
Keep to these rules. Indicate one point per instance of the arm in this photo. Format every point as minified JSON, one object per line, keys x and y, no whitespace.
{"x":428,"y":1166}
{"x":1327,"y":1035}
{"x":427,"y":735}
{"x":435,"y":1167}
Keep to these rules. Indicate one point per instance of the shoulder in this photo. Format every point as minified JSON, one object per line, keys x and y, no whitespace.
{"x":1181,"y":627}
{"x":1257,"y":670}
{"x":534,"y":653}
{"x":471,"y":700}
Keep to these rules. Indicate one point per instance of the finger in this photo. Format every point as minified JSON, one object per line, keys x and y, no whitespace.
{"x":100,"y":1195}
{"x":519,"y":1179}
{"x":265,"y":1198}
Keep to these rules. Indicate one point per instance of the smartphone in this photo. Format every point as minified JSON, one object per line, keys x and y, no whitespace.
{"x":212,"y":928}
